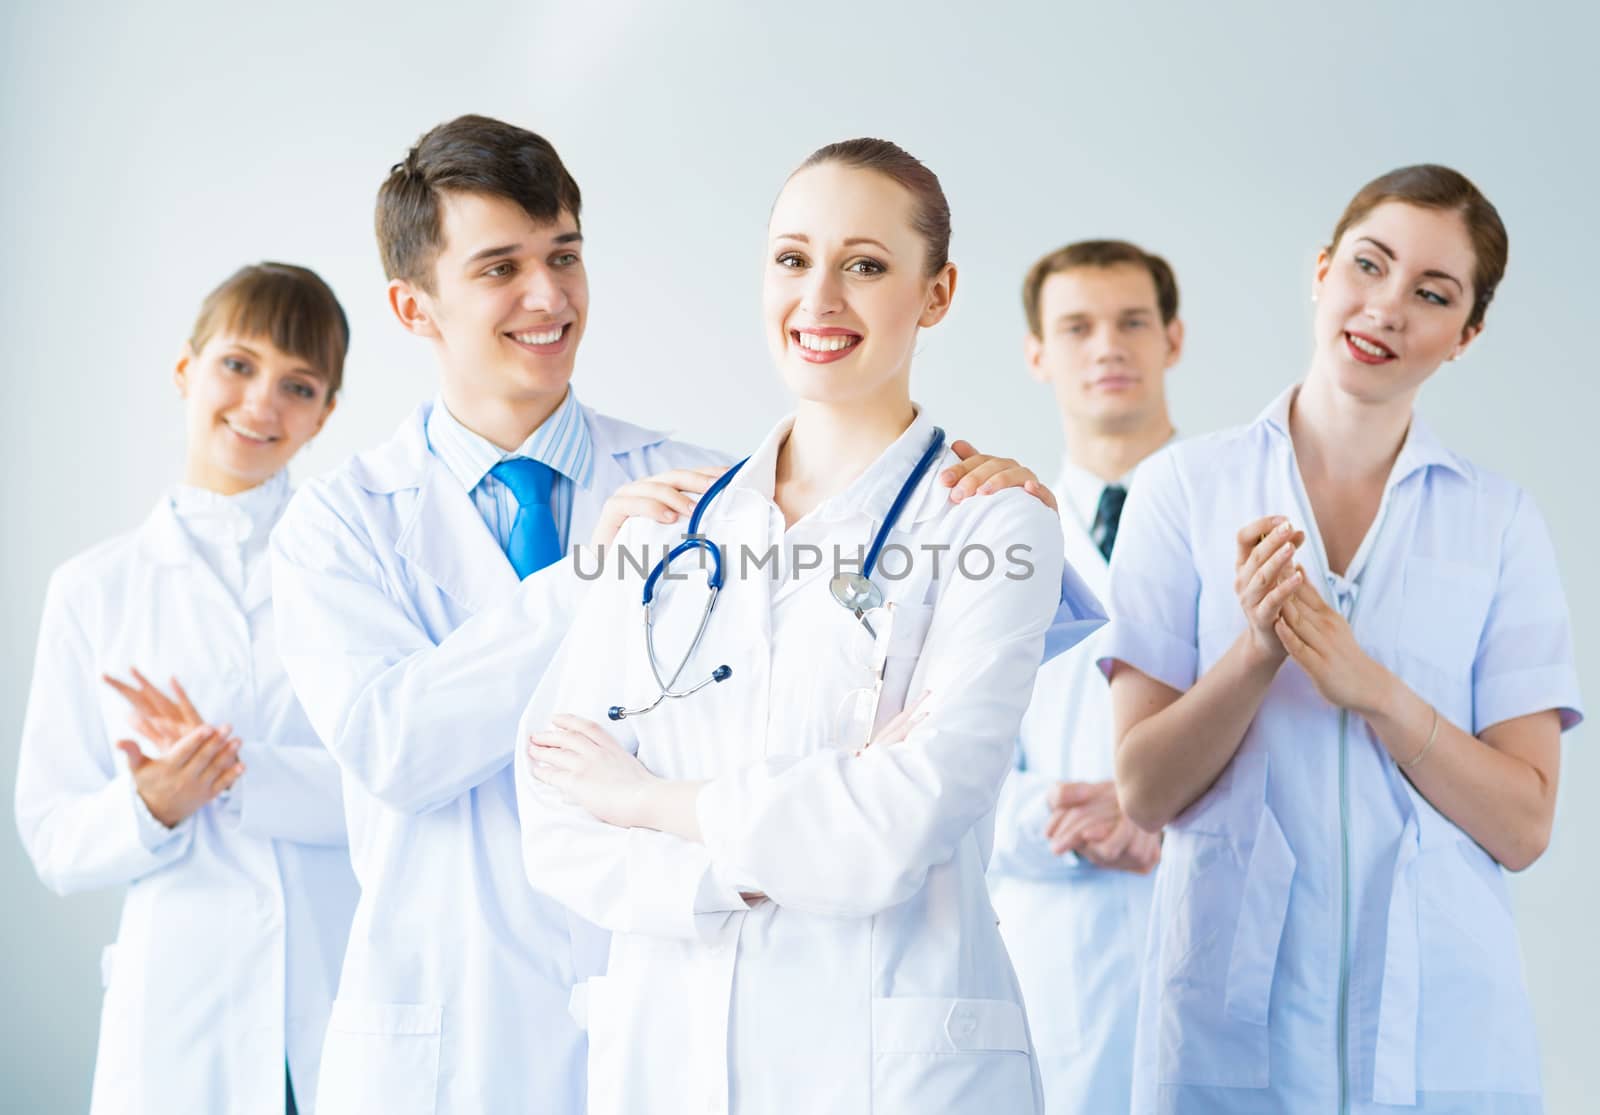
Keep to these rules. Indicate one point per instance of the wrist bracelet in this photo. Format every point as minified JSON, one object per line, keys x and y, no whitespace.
{"x":1433,"y":734}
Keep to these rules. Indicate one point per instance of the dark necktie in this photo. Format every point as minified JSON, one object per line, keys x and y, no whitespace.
{"x":1107,"y":516}
{"x":534,"y":542}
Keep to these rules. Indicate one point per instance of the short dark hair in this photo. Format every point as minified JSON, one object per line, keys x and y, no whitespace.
{"x":931,"y":217}
{"x":470,"y":154}
{"x":290,"y":306}
{"x":1431,"y":186}
{"x":1098,"y":253}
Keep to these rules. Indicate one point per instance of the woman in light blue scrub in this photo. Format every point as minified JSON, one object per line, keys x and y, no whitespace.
{"x":1341,"y":665}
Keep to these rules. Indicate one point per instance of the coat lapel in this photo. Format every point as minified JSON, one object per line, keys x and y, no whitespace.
{"x":447,"y":542}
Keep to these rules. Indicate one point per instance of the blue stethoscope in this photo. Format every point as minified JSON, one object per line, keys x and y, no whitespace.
{"x":854,"y":591}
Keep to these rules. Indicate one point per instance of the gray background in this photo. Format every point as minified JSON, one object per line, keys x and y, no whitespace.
{"x":150,"y":149}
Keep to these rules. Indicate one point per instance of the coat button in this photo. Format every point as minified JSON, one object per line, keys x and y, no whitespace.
{"x":962,"y":1025}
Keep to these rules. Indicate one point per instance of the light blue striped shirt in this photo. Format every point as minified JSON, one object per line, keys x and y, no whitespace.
{"x":562,"y":441}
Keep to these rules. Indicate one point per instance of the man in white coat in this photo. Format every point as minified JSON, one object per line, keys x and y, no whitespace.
{"x":1071,"y":876}
{"x":421,"y":593}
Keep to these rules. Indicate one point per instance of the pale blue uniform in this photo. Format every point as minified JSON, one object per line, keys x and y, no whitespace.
{"x":1074,"y":931}
{"x":1324,"y":939}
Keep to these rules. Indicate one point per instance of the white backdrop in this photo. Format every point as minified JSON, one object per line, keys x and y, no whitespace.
{"x":150,"y":149}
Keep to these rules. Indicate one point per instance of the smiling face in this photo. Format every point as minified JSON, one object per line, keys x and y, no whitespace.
{"x":248,"y":408}
{"x":508,"y":307}
{"x":1393,"y":301}
{"x":1104,"y":349}
{"x":846,"y":288}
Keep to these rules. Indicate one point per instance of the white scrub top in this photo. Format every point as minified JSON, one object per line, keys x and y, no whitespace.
{"x":234,"y":925}
{"x":1074,"y":931}
{"x":875,"y":978}
{"x":1324,"y":939}
{"x":413,"y":648}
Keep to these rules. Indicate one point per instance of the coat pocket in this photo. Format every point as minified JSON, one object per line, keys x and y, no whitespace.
{"x":1442,"y":616}
{"x":951,"y":1055}
{"x":1476,"y":1030}
{"x":381,"y":1059}
{"x":1219,"y":956}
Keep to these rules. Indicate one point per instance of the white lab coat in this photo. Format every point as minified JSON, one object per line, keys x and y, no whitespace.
{"x":413,"y":648}
{"x":234,"y":925}
{"x":875,"y":978}
{"x":1312,"y":881}
{"x":1074,"y":931}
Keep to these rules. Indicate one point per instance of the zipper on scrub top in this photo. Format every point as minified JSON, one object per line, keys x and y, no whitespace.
{"x":1344,"y":887}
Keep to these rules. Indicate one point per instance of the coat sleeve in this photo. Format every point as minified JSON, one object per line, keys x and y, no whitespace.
{"x":1020,"y":847}
{"x":288,"y":793}
{"x":624,"y":880}
{"x":415,"y":723}
{"x":81,"y":819}
{"x":851,"y":836}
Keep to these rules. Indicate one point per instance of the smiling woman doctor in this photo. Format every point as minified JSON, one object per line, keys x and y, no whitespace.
{"x":800,"y":921}
{"x":227,"y":829}
{"x":1348,"y":749}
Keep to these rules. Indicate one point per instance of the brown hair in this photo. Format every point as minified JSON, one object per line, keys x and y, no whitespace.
{"x":931,"y":217}
{"x":1098,"y":253}
{"x":470,"y":154}
{"x":290,"y":306}
{"x":1438,"y":187}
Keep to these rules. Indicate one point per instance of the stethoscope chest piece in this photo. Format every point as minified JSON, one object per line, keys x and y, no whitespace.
{"x":856,"y":593}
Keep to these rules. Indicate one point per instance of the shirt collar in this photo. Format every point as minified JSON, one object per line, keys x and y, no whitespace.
{"x":239,"y":517}
{"x":1420,"y":450}
{"x":872,"y":493}
{"x":563,"y":441}
{"x":1082,"y":489}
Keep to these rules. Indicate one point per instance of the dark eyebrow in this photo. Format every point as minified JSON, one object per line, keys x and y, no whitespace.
{"x":491,"y":253}
{"x":570,"y":238}
{"x":1386,"y":250}
{"x":804,"y":239}
{"x":868,"y":240}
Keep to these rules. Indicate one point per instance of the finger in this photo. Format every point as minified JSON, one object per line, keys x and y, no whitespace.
{"x":223,"y":756}
{"x":183,"y":752}
{"x":128,"y":691}
{"x":1069,"y":836}
{"x":187,"y":705}
{"x":149,"y":730}
{"x":1250,"y":535}
{"x":1044,"y":495}
{"x":206,"y":753}
{"x":1013,"y":475}
{"x":667,"y":493}
{"x":158,"y":700}
{"x":962,"y":450}
{"x":1272,"y":603}
{"x":975,"y":472}
{"x":1267,"y":548}
{"x":587,"y":728}
{"x":1114,"y":845}
{"x":1268,"y":575}
{"x":556,"y":739}
{"x":619,"y":509}
{"x":225,"y":780}
{"x":1294,"y":644}
{"x":557,"y":767}
{"x":136,"y":758}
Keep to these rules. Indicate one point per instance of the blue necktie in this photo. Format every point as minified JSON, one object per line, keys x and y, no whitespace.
{"x":1107,"y":517}
{"x":534,"y":542}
